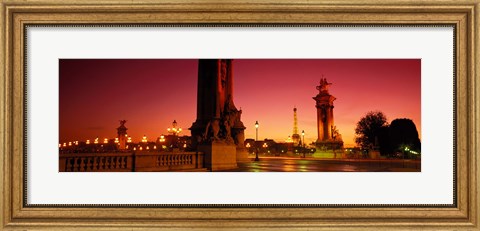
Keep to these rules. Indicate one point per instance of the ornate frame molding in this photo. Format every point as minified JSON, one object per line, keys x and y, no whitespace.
{"x":16,"y":15}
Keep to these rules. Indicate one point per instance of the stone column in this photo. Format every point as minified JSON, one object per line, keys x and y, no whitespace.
{"x":320,"y":131}
{"x":324,"y":105}
{"x":122,"y":132}
{"x":217,"y":131}
{"x":326,"y":124}
{"x":329,"y":122}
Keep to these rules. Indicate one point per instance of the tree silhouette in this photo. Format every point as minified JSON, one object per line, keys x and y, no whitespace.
{"x":384,"y":141}
{"x":369,"y":128}
{"x":403,"y":133}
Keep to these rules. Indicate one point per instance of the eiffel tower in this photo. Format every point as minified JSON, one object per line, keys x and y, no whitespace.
{"x":295,"y":135}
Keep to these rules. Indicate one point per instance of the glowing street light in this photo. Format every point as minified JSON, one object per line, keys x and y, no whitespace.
{"x":96,"y":141}
{"x":265,"y":146}
{"x":303,"y":142}
{"x":144,"y":139}
{"x":289,"y":140}
{"x":129,"y":140}
{"x":116,"y":140}
{"x":105,"y":141}
{"x":405,"y":149}
{"x":256,"y":139}
{"x":174,"y":130}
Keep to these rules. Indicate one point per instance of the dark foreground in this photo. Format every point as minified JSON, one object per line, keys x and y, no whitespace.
{"x":283,"y":164}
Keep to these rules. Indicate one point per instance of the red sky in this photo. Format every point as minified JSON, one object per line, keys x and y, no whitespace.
{"x":150,"y":94}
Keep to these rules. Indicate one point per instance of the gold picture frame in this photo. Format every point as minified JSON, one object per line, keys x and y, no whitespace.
{"x":16,"y":14}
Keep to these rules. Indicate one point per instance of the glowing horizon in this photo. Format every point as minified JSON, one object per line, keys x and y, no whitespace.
{"x":150,"y":94}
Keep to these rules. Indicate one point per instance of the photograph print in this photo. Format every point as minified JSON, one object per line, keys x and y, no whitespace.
{"x":239,"y":115}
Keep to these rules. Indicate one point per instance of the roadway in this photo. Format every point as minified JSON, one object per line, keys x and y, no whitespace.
{"x":296,"y":164}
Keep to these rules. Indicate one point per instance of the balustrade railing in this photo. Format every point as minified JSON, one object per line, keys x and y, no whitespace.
{"x":131,"y":162}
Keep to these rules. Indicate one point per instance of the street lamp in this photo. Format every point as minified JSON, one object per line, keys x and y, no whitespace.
{"x":174,"y":131}
{"x":256,"y":139}
{"x":406,"y":149}
{"x":303,"y":142}
{"x":162,"y":142}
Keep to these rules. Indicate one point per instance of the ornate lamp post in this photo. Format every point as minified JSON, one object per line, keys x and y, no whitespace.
{"x":256,"y":139}
{"x":303,"y":142}
{"x":174,"y":131}
{"x":162,"y":142}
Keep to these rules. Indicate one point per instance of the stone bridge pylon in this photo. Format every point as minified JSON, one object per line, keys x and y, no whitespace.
{"x":218,"y":130}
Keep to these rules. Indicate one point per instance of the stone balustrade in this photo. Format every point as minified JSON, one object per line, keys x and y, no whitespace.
{"x":131,"y":162}
{"x":171,"y":161}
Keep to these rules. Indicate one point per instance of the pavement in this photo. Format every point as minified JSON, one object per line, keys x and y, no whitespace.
{"x":297,"y":164}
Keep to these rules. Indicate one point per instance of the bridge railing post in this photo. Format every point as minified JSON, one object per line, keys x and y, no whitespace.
{"x":133,"y":162}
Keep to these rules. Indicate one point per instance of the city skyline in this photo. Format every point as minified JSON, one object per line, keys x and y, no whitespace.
{"x":150,"y":94}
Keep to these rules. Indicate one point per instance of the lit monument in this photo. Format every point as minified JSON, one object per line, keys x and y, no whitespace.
{"x":122,"y":135}
{"x":328,"y":136}
{"x":295,"y":136}
{"x":218,"y":130}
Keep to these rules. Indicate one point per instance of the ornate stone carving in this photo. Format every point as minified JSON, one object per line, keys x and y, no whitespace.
{"x":122,"y":132}
{"x":327,"y":131}
{"x":218,"y":120}
{"x":323,"y":87}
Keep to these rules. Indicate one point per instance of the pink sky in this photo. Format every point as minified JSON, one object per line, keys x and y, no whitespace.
{"x":150,"y":94}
